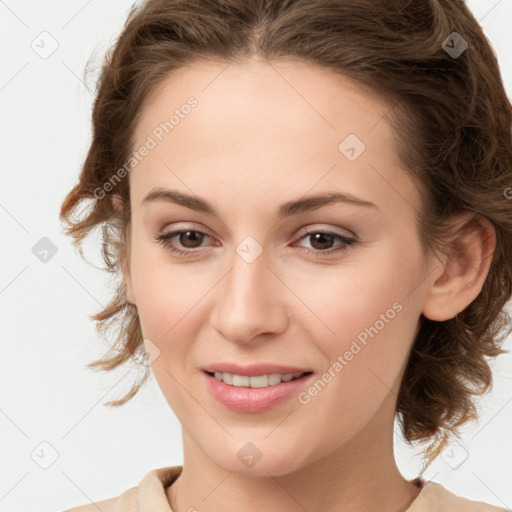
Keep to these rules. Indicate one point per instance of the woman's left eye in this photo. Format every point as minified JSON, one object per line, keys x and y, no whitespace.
{"x":327,"y":237}
{"x":189,"y":238}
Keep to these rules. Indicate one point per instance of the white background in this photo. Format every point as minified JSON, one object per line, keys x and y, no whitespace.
{"x":46,"y":393}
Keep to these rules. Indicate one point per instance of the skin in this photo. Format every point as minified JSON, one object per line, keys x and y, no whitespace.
{"x":263,"y":134}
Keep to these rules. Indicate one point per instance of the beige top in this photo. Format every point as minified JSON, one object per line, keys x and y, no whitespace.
{"x":149,"y":496}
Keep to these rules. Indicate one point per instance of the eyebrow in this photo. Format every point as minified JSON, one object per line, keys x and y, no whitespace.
{"x":285,"y":210}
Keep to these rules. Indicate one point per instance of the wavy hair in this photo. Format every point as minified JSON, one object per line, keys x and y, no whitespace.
{"x":450,"y":116}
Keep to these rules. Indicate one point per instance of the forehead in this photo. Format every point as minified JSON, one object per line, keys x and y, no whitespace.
{"x":266,"y":96}
{"x":265,"y":126}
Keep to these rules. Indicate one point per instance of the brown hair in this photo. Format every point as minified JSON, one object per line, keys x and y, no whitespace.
{"x":452,"y":121}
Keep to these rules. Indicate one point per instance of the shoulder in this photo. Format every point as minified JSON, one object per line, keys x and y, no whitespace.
{"x":150,"y":494}
{"x":435,"y":497}
{"x":128,"y":500}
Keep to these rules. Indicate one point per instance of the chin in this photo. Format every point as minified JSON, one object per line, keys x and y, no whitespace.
{"x":252,"y":461}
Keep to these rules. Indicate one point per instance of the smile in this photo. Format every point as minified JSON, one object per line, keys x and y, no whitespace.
{"x":257,"y":381}
{"x":245,"y":395}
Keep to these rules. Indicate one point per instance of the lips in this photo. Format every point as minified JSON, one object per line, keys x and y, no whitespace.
{"x":254,"y":400}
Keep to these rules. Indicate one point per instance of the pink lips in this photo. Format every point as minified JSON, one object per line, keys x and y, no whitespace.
{"x":253,"y":400}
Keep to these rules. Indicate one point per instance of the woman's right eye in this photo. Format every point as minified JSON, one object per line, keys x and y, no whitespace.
{"x":188,"y":239}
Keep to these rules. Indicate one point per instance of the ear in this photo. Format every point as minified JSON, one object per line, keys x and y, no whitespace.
{"x":459,"y":278}
{"x":118,"y":205}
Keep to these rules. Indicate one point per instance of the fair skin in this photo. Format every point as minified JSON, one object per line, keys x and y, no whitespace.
{"x":255,"y":141}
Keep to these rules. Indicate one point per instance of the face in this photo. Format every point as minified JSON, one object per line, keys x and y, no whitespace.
{"x":333,"y":288}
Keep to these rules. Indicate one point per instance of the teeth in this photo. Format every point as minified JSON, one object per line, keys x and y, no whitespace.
{"x":258,"y":381}
{"x":240,"y":380}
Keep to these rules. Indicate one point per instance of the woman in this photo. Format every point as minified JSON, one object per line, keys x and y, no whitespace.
{"x":307,"y":203}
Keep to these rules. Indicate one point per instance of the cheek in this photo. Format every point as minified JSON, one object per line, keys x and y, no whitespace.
{"x":351,"y":298}
{"x":170,"y":302}
{"x":159,"y":298}
{"x":165,"y":306}
{"x":366,"y":321}
{"x":365,"y":360}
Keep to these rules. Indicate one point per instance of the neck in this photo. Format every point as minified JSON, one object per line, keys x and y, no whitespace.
{"x":360,"y":476}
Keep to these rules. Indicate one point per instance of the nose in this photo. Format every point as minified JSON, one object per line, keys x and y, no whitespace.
{"x":249,"y":302}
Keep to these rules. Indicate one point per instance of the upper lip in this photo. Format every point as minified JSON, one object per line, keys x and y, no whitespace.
{"x":253,"y":369}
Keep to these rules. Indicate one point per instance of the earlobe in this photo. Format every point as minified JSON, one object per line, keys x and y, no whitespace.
{"x":460,"y":277}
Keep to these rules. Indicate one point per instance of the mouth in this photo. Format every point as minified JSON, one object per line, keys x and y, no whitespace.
{"x":256,"y":381}
{"x":255,"y":393}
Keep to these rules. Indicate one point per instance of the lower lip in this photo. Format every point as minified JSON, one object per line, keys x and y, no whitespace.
{"x":251,"y":400}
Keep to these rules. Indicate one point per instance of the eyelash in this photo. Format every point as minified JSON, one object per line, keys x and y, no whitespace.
{"x":164,"y":239}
